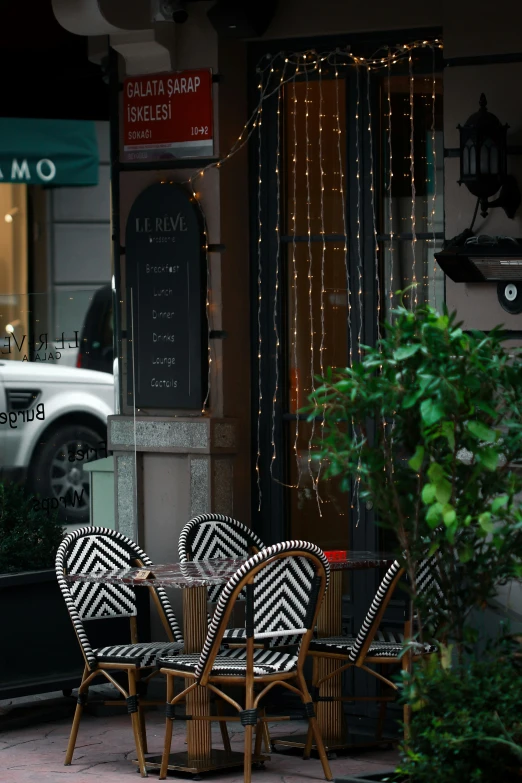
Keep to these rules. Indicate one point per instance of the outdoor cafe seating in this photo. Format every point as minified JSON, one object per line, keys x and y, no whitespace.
{"x":281,"y":587}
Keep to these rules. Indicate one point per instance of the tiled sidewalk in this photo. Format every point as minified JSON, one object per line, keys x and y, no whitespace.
{"x":35,"y":754}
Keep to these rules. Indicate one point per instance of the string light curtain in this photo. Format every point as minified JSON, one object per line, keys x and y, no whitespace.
{"x":280,"y":76}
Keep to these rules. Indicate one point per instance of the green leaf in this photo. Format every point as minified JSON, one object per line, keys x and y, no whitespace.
{"x":428,"y":493}
{"x":449,"y":515}
{"x":499,"y":502}
{"x":431,"y":412}
{"x":415,"y":462}
{"x":466,"y":553}
{"x":405,"y":352}
{"x":411,"y":399}
{"x":448,"y":432}
{"x":434,"y":514}
{"x":485,"y":522}
{"x":443,"y":491}
{"x":489,"y":458}
{"x":482,"y":431}
{"x":435,"y":472}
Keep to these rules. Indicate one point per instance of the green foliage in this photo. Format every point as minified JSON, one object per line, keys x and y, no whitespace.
{"x":431,"y":422}
{"x":466,"y":723}
{"x":29,"y":538}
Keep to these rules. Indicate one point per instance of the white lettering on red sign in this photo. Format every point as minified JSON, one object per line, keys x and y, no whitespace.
{"x":168,"y":115}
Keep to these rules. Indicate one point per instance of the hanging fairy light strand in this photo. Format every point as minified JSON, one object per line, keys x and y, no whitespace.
{"x":356,"y":497}
{"x":372,"y":201}
{"x":390,"y":183}
{"x":415,"y":299}
{"x":277,"y":260}
{"x":343,"y":210}
{"x":310,"y":280}
{"x":434,"y":183}
{"x":295,"y":279}
{"x":259,"y":303}
{"x":323,"y":254}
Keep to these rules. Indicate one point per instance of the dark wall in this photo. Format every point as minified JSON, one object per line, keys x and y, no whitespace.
{"x":44,"y":69}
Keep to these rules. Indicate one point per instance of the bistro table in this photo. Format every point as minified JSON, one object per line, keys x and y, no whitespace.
{"x":330,"y":714}
{"x":198,"y":576}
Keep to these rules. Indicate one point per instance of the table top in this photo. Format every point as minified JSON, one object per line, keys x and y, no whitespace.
{"x":205,"y":573}
{"x":358,"y":559}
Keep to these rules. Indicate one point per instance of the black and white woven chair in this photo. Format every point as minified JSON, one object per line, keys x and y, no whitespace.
{"x":374,"y":646}
{"x":284,"y":586}
{"x":92,"y":549}
{"x":211,"y":536}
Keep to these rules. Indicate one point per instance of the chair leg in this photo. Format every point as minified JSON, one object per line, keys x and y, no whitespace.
{"x":406,"y":665}
{"x":135,"y":717}
{"x":266,"y":732}
{"x":259,"y":738}
{"x":247,"y":774}
{"x":382,"y":710}
{"x":223,"y":727}
{"x":82,"y":692}
{"x":143,"y":726}
{"x":249,"y":703}
{"x":168,"y":731}
{"x":312,"y":722}
{"x":310,"y":736}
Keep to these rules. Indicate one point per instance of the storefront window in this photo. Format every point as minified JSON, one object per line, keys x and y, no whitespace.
{"x":338,"y":182}
{"x":53,"y":416}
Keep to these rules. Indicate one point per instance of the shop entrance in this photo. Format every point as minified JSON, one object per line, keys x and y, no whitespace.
{"x":347,"y":184}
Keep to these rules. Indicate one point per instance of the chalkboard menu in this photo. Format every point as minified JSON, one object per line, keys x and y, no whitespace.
{"x":166,"y":281}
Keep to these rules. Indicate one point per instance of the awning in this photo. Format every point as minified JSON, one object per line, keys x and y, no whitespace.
{"x":48,"y":152}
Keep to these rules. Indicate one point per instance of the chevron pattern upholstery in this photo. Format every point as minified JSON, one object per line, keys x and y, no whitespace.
{"x":369,"y":620}
{"x":143,"y":654}
{"x":91,"y":549}
{"x":283,"y":594}
{"x":233,"y":662}
{"x":217,"y":536}
{"x":343,"y":645}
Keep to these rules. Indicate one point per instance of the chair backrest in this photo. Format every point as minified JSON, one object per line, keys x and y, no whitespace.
{"x":216,"y":536}
{"x":427,"y":586}
{"x":92,"y":549}
{"x":377,"y":608}
{"x":284,"y":585}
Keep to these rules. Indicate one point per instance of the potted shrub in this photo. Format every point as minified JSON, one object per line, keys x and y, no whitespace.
{"x":39,"y":651}
{"x":434,"y":419}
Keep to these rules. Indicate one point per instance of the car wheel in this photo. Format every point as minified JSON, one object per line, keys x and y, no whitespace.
{"x":57,"y":473}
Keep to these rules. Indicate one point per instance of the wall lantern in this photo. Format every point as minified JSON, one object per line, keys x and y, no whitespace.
{"x":483,"y":161}
{"x":483,"y":170}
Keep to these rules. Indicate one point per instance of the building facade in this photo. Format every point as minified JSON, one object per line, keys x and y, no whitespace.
{"x":294,"y":215}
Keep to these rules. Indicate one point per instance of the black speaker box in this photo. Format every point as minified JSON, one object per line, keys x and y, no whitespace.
{"x":242,"y":18}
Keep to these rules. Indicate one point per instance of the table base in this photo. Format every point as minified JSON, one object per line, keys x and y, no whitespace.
{"x":352,"y":741}
{"x":218,"y":759}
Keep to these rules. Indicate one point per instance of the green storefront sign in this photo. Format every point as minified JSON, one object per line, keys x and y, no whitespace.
{"x":48,"y":152}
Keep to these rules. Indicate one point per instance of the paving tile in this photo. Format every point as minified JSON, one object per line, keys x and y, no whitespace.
{"x":105,"y":748}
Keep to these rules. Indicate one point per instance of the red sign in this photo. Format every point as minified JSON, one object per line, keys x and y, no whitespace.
{"x":168,"y":116}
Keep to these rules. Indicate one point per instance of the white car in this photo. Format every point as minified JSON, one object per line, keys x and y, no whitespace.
{"x":53,"y":420}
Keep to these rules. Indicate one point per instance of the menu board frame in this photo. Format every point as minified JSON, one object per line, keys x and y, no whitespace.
{"x":165,"y":274}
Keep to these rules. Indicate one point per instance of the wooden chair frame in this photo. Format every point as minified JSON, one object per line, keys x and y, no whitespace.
{"x":137,"y":676}
{"x":363,"y":661}
{"x":249,"y":680}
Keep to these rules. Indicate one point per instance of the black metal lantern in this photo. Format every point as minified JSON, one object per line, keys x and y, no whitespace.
{"x":483,"y":157}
